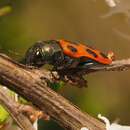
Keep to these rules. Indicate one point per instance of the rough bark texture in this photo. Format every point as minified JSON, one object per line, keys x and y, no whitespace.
{"x":32,"y":84}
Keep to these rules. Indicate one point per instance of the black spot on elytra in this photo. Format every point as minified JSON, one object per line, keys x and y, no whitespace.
{"x":92,"y":53}
{"x":103,"y":55}
{"x":72,"y":48}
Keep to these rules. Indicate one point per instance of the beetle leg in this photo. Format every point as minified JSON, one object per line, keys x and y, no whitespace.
{"x":55,"y":75}
{"x":77,"y":80}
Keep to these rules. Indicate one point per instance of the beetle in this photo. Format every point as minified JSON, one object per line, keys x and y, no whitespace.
{"x":68,"y":58}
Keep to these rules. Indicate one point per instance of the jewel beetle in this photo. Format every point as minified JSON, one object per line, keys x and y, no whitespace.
{"x":65,"y":55}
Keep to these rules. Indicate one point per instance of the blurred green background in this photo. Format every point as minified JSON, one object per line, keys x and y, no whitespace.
{"x":88,"y":21}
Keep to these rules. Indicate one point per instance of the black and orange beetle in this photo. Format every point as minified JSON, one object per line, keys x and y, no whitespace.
{"x":66,"y":57}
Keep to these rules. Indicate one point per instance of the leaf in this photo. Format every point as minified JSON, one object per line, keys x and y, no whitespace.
{"x":3,"y":115}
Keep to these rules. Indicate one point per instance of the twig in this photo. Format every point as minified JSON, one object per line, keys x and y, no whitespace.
{"x":13,"y":108}
{"x":118,"y":65}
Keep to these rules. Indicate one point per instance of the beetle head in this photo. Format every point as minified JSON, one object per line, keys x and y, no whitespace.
{"x":34,"y":56}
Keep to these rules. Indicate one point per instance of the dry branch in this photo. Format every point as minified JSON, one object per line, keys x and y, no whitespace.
{"x":13,"y":108}
{"x":118,"y":65}
{"x":32,"y":84}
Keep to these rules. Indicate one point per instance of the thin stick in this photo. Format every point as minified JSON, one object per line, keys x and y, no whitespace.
{"x":13,"y":108}
{"x":118,"y":65}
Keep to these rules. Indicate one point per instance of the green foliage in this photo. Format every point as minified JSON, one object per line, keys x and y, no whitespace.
{"x":3,"y":115}
{"x":56,"y":86}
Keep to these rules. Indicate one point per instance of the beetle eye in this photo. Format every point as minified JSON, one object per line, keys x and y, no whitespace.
{"x":38,"y":55}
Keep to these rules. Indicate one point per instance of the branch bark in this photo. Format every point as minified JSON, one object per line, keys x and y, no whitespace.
{"x":32,"y":85}
{"x":13,"y":108}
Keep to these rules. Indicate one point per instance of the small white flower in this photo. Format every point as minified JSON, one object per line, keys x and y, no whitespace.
{"x":84,"y":128}
{"x":111,"y":3}
{"x":35,"y":125}
{"x":113,"y":126}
